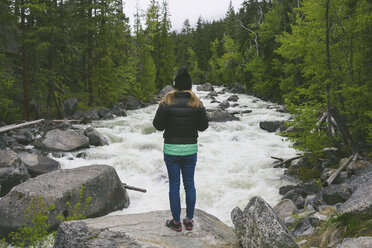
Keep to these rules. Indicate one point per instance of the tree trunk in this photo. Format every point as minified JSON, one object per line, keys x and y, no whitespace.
{"x":328,"y":77}
{"x":24,"y":65}
{"x":90,"y":57}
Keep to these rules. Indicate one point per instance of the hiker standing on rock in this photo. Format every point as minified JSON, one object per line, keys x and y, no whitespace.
{"x":181,"y":114}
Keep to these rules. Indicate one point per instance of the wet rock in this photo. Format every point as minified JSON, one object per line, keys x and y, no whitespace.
{"x":166,"y":90}
{"x":295,"y":193}
{"x":238,"y":88}
{"x":105,"y":113}
{"x":224,"y":104}
{"x":335,"y":194}
{"x":95,"y":138}
{"x":12,"y":171}
{"x":271,"y":126}
{"x":38,"y":164}
{"x":69,"y":106}
{"x":285,"y":189}
{"x":233,"y":98}
{"x":133,"y":103}
{"x":212,"y":94}
{"x":64,"y":141}
{"x":221,"y":116}
{"x":259,"y":226}
{"x":144,"y":230}
{"x":221,"y":92}
{"x":91,"y":115}
{"x":205,"y":87}
{"x":215,"y":101}
{"x":23,"y":138}
{"x":361,"y":242}
{"x":285,"y":208}
{"x":118,"y":109}
{"x":101,"y":183}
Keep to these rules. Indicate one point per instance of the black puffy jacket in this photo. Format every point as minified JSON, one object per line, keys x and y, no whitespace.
{"x":180,"y":121}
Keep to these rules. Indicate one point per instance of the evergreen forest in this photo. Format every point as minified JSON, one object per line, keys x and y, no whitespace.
{"x":315,"y":56}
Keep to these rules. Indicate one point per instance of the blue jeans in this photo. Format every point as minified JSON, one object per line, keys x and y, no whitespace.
{"x":186,"y":165}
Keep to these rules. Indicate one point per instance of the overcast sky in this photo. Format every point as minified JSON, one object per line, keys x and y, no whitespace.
{"x":183,"y":9}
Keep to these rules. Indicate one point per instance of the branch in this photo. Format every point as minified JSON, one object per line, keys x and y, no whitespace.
{"x":134,"y":188}
{"x":351,"y":160}
{"x":254,"y":39}
{"x":287,"y":161}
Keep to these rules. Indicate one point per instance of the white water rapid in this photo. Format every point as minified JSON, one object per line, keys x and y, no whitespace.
{"x":233,"y":165}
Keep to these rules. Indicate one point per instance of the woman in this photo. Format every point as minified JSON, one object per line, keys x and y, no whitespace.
{"x":181,"y":114}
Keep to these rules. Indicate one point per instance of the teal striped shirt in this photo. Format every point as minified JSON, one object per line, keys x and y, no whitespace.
{"x":180,"y":149}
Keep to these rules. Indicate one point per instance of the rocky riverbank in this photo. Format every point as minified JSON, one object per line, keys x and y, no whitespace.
{"x":296,"y":218}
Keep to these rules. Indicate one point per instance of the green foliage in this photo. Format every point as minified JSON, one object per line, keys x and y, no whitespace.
{"x":36,"y":234}
{"x":308,"y":136}
{"x":77,"y":211}
{"x":9,"y":111}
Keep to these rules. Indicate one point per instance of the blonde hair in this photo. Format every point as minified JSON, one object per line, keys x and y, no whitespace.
{"x":194,"y":101}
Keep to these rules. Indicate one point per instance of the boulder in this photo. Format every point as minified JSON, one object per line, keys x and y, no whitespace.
{"x":133,"y":103}
{"x":221,"y":116}
{"x":212,"y":94}
{"x":259,"y":226}
{"x":360,"y":184}
{"x":105,"y":113}
{"x":38,"y":164}
{"x":224,"y":104}
{"x":95,"y":138}
{"x":58,"y":187}
{"x":233,"y":98}
{"x":91,"y":115}
{"x":65,"y":141}
{"x":145,"y":230}
{"x":12,"y":171}
{"x":118,"y":109}
{"x":271,"y":126}
{"x":295,"y":193}
{"x":223,"y":91}
{"x":304,"y":227}
{"x":285,"y":208}
{"x":335,"y":194}
{"x":361,"y":242}
{"x":69,"y":106}
{"x":205,"y":87}
{"x":23,"y":138}
{"x":3,"y":142}
{"x":166,"y":90}
{"x":238,"y":88}
{"x":286,"y":188}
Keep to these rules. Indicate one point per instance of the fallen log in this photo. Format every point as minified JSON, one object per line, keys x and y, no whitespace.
{"x":280,"y":159}
{"x":14,"y":126}
{"x":287,"y":161}
{"x":351,"y":160}
{"x":134,"y":188}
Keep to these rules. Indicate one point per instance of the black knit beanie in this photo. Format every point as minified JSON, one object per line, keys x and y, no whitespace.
{"x":182,"y":81}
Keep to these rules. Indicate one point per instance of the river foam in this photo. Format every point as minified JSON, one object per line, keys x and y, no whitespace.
{"x":233,"y":165}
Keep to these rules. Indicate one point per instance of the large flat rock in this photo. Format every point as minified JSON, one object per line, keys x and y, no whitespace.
{"x":65,"y":141}
{"x":101,"y":183}
{"x":145,"y":230}
{"x":360,"y":185}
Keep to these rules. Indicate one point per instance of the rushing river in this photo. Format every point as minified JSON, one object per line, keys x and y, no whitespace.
{"x":233,"y":165}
